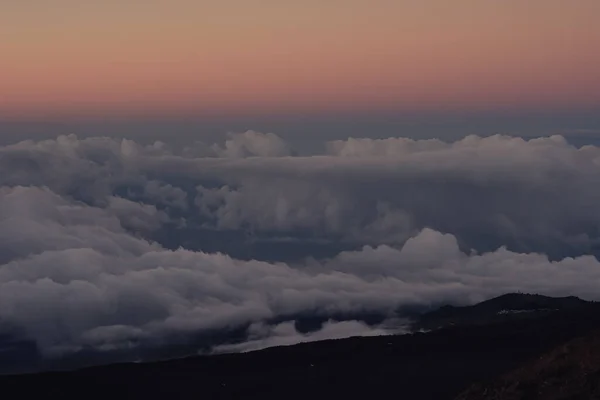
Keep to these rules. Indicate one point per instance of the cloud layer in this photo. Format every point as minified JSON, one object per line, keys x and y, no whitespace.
{"x":108,"y":244}
{"x":262,"y":336}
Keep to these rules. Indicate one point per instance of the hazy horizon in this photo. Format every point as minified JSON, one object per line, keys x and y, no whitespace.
{"x":185,"y":58}
{"x":172,"y":170}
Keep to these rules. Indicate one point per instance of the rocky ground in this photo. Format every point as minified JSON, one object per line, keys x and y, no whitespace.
{"x":569,"y":372}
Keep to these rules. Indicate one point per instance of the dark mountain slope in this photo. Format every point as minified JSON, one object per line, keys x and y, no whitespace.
{"x":499,"y":309}
{"x":434,"y":365}
{"x":571,"y":371}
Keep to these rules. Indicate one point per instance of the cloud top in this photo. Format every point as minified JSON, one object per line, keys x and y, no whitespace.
{"x":108,"y":244}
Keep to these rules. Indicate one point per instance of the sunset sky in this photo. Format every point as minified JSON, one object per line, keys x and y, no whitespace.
{"x":71,"y":58}
{"x":182,"y":177}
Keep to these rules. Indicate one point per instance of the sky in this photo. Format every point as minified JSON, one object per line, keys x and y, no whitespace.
{"x":66,"y":59}
{"x":169,"y":170}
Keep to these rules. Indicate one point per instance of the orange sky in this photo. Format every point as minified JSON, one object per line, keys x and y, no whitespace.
{"x":71,"y":57}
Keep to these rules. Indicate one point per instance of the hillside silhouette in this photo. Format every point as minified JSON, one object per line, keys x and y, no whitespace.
{"x":439,"y":364}
{"x":499,"y":309}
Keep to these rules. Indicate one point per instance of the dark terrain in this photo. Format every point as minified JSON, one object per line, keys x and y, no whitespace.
{"x":473,"y":346}
{"x":571,"y":371}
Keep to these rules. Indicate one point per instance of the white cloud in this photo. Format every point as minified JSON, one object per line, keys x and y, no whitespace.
{"x":78,"y":265}
{"x":253,"y":144}
{"x":78,"y":276}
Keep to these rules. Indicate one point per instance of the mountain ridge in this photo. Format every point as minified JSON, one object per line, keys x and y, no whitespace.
{"x":439,"y":364}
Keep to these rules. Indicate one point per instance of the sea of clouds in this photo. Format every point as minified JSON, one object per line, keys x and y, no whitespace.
{"x":105,"y":243}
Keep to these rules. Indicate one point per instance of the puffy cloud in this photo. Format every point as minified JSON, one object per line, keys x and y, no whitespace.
{"x":407,"y":223}
{"x":136,"y":217}
{"x":253,"y":144}
{"x":78,"y":278}
{"x":83,"y":280}
{"x":165,"y":195}
{"x":537,"y":195}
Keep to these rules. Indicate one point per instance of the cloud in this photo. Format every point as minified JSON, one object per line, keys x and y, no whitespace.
{"x":108,"y":244}
{"x":253,"y":144}
{"x":538,"y":195}
{"x":262,"y":336}
{"x":391,"y":147}
{"x":85,"y":281}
